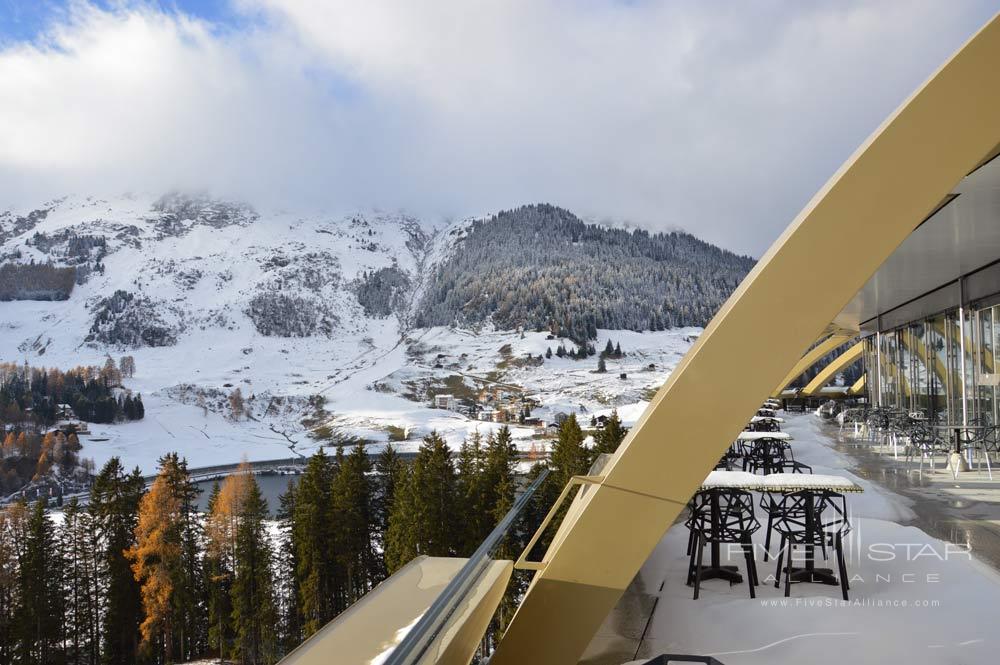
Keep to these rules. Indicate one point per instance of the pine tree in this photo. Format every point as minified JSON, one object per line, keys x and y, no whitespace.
{"x":569,"y":457}
{"x":288,"y":589}
{"x":501,"y":462}
{"x":39,"y":613}
{"x":400,"y":537}
{"x":190,"y":630}
{"x":13,"y":528}
{"x":312,"y":532}
{"x":473,"y":501}
{"x":114,"y":503}
{"x":80,"y":580}
{"x":601,"y":367}
{"x":389,"y":468}
{"x":608,"y":350}
{"x":254,"y":611}
{"x":499,"y":472}
{"x":433,"y":496}
{"x":353,"y":507}
{"x":610,"y":435}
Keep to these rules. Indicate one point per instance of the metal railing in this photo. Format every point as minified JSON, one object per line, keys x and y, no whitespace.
{"x":421,"y":637}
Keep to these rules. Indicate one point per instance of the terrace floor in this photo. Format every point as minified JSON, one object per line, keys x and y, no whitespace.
{"x":917,"y":593}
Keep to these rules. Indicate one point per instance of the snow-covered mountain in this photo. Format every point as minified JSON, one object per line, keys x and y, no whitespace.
{"x":310,"y":316}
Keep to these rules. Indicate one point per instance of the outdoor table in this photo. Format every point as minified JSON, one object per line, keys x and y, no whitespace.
{"x":757,"y":419}
{"x":955,"y":431}
{"x":714,"y":484}
{"x":718,"y":481}
{"x":753,"y":436}
{"x":810,"y":485}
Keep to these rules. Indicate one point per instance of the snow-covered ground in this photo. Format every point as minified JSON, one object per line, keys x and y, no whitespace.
{"x":353,"y":402}
{"x":198,"y":275}
{"x":914,"y":599}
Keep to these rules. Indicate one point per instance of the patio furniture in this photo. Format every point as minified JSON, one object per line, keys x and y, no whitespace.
{"x":721,"y":516}
{"x":811,"y":518}
{"x":766,"y":455}
{"x":769,"y":501}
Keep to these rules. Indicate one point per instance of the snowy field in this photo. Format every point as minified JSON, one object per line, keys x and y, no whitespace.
{"x":356,"y":401}
{"x":914,"y":599}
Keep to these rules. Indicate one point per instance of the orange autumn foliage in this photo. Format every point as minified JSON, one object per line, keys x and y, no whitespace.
{"x":222,"y":523}
{"x":154,"y":556}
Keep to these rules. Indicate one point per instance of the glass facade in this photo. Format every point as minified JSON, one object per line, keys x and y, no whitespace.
{"x":944,"y":366}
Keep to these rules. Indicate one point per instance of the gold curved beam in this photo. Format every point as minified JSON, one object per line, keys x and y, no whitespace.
{"x":920,"y":349}
{"x":811,"y":358}
{"x":839,"y":363}
{"x":894,"y":180}
{"x":858,"y":387}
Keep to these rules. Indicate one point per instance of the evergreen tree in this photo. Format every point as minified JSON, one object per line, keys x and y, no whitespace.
{"x":288,"y":589}
{"x":353,"y":507}
{"x":80,"y":584}
{"x":389,"y":468}
{"x":609,"y":436}
{"x":400,"y":536}
{"x":312,"y":533}
{"x":191,"y":634}
{"x":114,"y":504}
{"x":601,"y":367}
{"x":424,"y":509}
{"x":13,"y":528}
{"x":501,"y":462}
{"x":39,"y":613}
{"x":254,"y":610}
{"x":569,"y":457}
{"x":433,"y":490}
{"x":472,"y":493}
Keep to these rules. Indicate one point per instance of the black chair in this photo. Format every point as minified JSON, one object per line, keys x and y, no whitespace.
{"x":769,"y":502}
{"x":766,"y":455}
{"x":721,"y":516}
{"x":766,"y":425}
{"x":811,"y":519}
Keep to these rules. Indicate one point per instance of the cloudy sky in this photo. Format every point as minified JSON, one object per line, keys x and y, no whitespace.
{"x":720,"y":118}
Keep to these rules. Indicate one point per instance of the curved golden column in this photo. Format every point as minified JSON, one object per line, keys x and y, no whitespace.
{"x":811,"y":358}
{"x":891,"y":183}
{"x":842,"y":361}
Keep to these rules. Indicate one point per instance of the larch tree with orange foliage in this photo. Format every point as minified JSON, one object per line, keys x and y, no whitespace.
{"x":155,"y":557}
{"x":221,"y":527}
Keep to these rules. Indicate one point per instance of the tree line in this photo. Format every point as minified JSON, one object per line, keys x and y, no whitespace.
{"x":36,"y":281}
{"x":541,"y":267}
{"x":31,"y":397}
{"x":141,"y":576}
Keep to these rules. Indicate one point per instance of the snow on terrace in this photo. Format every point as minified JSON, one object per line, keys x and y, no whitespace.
{"x":914,"y":599}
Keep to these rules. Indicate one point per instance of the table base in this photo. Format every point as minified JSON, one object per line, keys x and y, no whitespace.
{"x":815,"y":575}
{"x":730,"y":573}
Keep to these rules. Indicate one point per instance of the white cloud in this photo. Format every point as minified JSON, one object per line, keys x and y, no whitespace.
{"x":720,"y":118}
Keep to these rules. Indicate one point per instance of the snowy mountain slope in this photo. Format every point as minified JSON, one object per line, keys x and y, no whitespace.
{"x":311,"y":316}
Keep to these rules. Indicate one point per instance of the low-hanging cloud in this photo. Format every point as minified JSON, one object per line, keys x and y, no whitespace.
{"x":718,"y":118}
